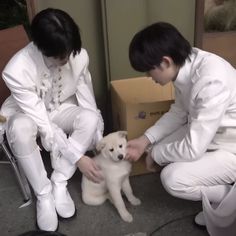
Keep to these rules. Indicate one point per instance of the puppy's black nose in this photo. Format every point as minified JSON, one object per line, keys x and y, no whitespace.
{"x":120,"y":157}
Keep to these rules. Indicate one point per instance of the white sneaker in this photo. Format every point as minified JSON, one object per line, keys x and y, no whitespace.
{"x":46,"y":213}
{"x":200,"y":219}
{"x":65,"y":206}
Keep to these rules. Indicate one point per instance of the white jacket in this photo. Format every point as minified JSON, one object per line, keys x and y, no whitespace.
{"x":30,"y":82}
{"x":206,"y":101}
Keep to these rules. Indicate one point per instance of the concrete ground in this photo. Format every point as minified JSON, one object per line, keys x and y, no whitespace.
{"x":159,"y":214}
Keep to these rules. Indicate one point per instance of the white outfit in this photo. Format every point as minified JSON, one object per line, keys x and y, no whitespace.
{"x":43,"y":98}
{"x":203,"y":117}
{"x":48,"y":94}
{"x":221,"y":220}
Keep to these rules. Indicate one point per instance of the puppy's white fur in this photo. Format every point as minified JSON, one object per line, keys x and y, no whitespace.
{"x":116,"y":172}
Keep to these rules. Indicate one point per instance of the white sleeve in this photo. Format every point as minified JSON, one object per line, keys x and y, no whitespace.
{"x":169,"y":122}
{"x":85,"y":96}
{"x":84,"y":92}
{"x":210,"y":104}
{"x":28,"y":100}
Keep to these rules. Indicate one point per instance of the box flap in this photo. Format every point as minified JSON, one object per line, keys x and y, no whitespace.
{"x":142,"y":90}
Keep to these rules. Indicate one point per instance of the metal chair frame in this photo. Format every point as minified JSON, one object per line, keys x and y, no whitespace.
{"x":20,"y":177}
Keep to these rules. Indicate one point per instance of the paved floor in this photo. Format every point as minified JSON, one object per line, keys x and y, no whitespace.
{"x":159,"y":214}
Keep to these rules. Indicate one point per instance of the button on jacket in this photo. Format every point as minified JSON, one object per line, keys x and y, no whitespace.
{"x":205,"y":101}
{"x":38,"y":89}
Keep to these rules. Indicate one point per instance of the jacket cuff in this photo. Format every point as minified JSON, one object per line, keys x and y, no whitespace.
{"x":74,"y":152}
{"x":150,"y":137}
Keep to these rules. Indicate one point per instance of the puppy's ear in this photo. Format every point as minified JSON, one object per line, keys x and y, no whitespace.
{"x":123,"y":134}
{"x":100,"y":145}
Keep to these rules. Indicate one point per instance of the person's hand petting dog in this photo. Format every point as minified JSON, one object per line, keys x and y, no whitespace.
{"x":136,"y":148}
{"x":90,"y":169}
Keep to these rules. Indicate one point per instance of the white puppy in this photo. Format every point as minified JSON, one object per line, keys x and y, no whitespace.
{"x":116,"y":172}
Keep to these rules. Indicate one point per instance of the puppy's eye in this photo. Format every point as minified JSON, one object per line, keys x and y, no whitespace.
{"x":111,"y":150}
{"x":120,"y":146}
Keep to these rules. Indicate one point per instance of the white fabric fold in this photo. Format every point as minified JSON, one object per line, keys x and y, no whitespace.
{"x":68,"y":147}
{"x":221,"y":220}
{"x":86,"y":100}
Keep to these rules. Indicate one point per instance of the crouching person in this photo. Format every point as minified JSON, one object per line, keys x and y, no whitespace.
{"x":52,"y":98}
{"x":195,"y":140}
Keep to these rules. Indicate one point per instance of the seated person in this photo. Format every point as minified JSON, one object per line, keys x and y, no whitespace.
{"x":51,"y":96}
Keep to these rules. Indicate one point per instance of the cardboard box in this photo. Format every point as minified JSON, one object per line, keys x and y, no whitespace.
{"x":137,"y":103}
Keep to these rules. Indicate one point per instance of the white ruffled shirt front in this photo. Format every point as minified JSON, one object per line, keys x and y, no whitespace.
{"x":39,"y":89}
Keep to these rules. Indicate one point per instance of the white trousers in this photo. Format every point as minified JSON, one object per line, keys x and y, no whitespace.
{"x":79,"y":123}
{"x":213,"y":173}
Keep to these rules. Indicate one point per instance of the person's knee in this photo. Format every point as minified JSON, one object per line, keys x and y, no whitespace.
{"x":172,"y":181}
{"x":86,"y":119}
{"x":21,"y":129}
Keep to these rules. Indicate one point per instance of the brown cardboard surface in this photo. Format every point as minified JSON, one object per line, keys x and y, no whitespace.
{"x":137,"y":103}
{"x":139,"y":167}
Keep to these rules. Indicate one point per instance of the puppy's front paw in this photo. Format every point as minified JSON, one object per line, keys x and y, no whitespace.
{"x":135,"y":201}
{"x":127,"y":217}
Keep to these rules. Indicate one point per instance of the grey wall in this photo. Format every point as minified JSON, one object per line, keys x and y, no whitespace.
{"x":124,"y":18}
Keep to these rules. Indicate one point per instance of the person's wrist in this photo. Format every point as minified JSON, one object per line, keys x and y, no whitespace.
{"x":47,"y":142}
{"x":146,"y":142}
{"x":79,"y":161}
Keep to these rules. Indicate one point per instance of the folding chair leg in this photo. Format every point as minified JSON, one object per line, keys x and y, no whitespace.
{"x":24,"y":186}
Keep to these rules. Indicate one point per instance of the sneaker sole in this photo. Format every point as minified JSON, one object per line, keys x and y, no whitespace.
{"x":67,"y":218}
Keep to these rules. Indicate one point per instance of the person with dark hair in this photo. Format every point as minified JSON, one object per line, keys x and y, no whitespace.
{"x":52,"y":97}
{"x":195,"y":139}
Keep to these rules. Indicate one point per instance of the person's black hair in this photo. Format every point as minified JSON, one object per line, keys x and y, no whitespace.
{"x":41,"y":233}
{"x":55,"y":33}
{"x":150,"y":45}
